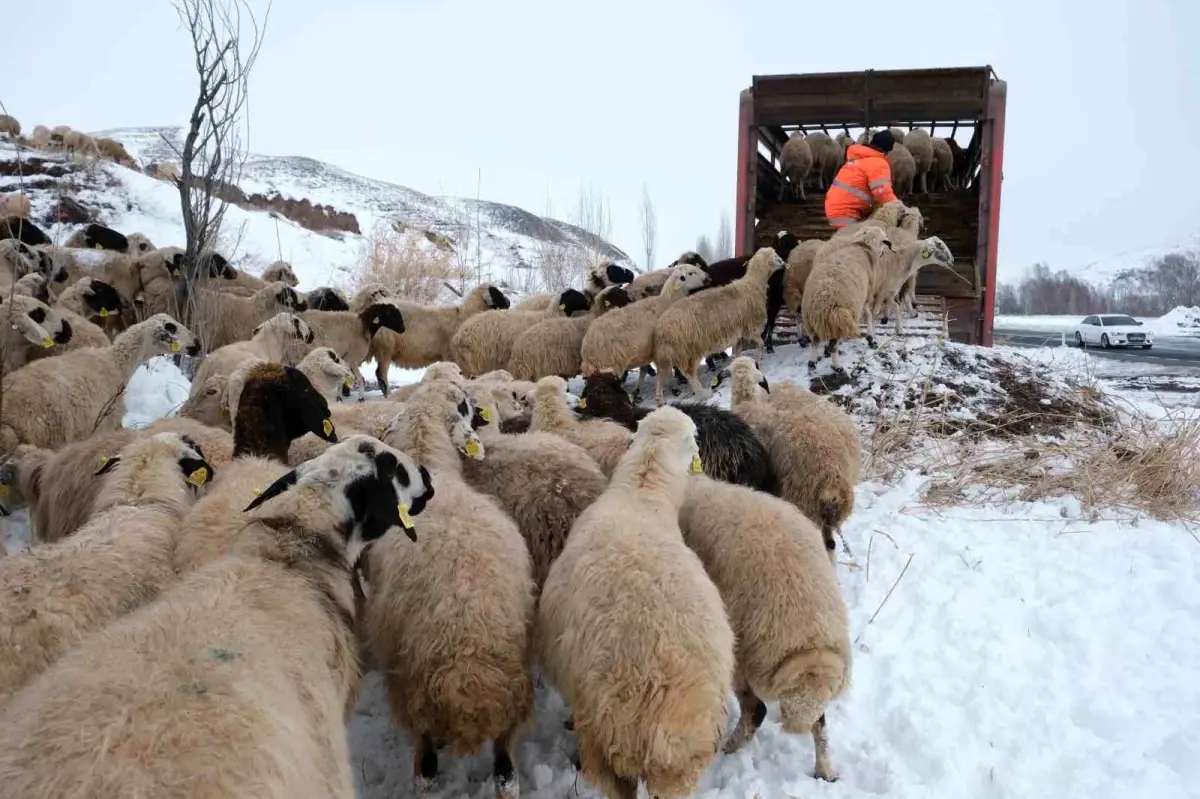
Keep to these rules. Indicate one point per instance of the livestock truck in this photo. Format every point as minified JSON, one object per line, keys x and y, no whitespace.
{"x":964,"y":103}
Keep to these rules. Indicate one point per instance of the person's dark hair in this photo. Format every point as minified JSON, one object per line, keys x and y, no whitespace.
{"x":883,"y":141}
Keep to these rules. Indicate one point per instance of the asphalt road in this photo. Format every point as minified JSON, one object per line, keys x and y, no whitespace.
{"x":1166,"y":349}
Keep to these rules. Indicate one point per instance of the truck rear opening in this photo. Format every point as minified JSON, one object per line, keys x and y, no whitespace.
{"x":964,"y":103}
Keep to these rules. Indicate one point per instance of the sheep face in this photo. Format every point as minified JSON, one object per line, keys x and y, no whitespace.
{"x":496,"y":300}
{"x":746,"y":372}
{"x":100,"y":298}
{"x":686,"y":278}
{"x":669,"y":434}
{"x":382,"y":315}
{"x":21,"y":257}
{"x":785,"y":242}
{"x":334,"y":367}
{"x":507,"y":401}
{"x":693,"y":258}
{"x":193,"y":468}
{"x":34,"y":285}
{"x":325,"y":299}
{"x":288,"y":297}
{"x":217,"y":266}
{"x":34,"y":320}
{"x":301,"y":407}
{"x":611,"y":297}
{"x":766,"y":258}
{"x":573,"y":301}
{"x":51,"y":267}
{"x":373,"y":486}
{"x":139,"y":245}
{"x":168,"y":336}
{"x":207,"y":405}
{"x":463,"y":423}
{"x":618,"y":275}
{"x":603,"y":396}
{"x":935,"y":251}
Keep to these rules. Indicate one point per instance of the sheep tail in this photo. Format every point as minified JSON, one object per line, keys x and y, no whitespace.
{"x":833,"y":506}
{"x":841,"y":323}
{"x":805,"y":681}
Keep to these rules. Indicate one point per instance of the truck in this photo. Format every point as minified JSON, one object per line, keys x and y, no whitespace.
{"x":949,"y":102}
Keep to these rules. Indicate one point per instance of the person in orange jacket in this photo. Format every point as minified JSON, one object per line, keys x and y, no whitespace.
{"x":863,"y":182}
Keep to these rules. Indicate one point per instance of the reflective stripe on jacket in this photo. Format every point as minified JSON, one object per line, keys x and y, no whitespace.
{"x":863,"y":182}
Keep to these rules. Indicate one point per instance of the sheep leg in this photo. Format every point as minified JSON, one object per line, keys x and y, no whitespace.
{"x":507,"y":785}
{"x":381,"y":372}
{"x":660,"y":384}
{"x":693,"y":378}
{"x":769,"y":330}
{"x":831,"y":349}
{"x":820,"y":733}
{"x":812,"y":353}
{"x":870,"y":310}
{"x":754,"y":710}
{"x":425,"y":765}
{"x":758,"y":349}
{"x":637,"y":389}
{"x":894,"y":311}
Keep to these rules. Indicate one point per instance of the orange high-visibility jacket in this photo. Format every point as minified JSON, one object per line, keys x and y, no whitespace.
{"x":863,"y":182}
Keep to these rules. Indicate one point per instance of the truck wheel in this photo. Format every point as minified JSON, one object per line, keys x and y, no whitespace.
{"x":1104,"y":342}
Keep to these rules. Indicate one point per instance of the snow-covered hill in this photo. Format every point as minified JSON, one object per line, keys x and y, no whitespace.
{"x":509,"y":238}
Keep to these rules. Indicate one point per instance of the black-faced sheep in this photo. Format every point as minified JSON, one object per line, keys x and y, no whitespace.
{"x":119,"y":560}
{"x":99,"y":237}
{"x":24,"y":231}
{"x":231,"y":318}
{"x":599,"y":278}
{"x":325,"y":298}
{"x":353,"y":334}
{"x":428,"y":330}
{"x":788,"y":616}
{"x":632,"y":632}
{"x":729,"y":448}
{"x":243,"y":674}
{"x":484,"y":342}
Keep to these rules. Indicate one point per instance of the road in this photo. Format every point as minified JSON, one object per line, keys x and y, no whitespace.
{"x":1166,"y":350}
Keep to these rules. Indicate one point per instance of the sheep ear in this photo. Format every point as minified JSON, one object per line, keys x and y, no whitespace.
{"x":275,"y":489}
{"x":107,"y":464}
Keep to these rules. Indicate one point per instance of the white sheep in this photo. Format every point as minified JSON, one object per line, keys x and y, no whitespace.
{"x":795,"y":162}
{"x":552,"y":346}
{"x":920,"y":144}
{"x":606,"y":442}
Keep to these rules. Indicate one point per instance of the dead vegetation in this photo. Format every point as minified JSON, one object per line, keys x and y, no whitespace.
{"x":406,"y":263}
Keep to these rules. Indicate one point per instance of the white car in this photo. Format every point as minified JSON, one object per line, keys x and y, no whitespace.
{"x":1112,"y":330}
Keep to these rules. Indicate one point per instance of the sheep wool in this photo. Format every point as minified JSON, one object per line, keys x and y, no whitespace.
{"x":795,"y":162}
{"x":606,"y":442}
{"x":552,"y":346}
{"x":484,"y":342}
{"x":647,"y":690}
{"x":904,"y":169}
{"x":15,"y":204}
{"x":920,"y":144}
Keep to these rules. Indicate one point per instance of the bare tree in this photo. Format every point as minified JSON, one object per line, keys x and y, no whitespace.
{"x":649,"y":227}
{"x":593,"y":216}
{"x":724,"y":245}
{"x":704,"y":249}
{"x":226,"y":38}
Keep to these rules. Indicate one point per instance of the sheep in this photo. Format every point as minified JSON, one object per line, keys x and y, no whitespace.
{"x":10,"y":126}
{"x":825,"y":157}
{"x":712,"y":320}
{"x":280,"y":271}
{"x":34,"y":285}
{"x":52,"y":402}
{"x":430,"y":329}
{"x":799,"y":267}
{"x":866,"y":136}
{"x":448,"y":618}
{"x":919,"y":143}
{"x":115,"y":151}
{"x":277,"y":406}
{"x":24,"y":231}
{"x":838,"y":290}
{"x":650,"y":284}
{"x":632,"y":632}
{"x":606,"y":442}
{"x":353,"y":334}
{"x":484,"y":342}
{"x":942,"y":166}
{"x":813,"y":443}
{"x":231,"y":318}
{"x":216,"y":443}
{"x":788,"y":616}
{"x":29,"y":327}
{"x":206,"y":403}
{"x":40,"y":138}
{"x":552,"y":346}
{"x":599,"y":278}
{"x":78,"y":142}
{"x":725,"y":272}
{"x":729,"y":448}
{"x":15,"y":204}
{"x":118,"y":561}
{"x":328,"y":373}
{"x":284,"y":338}
{"x":912,"y":222}
{"x":78,"y":305}
{"x":98,"y":237}
{"x":795,"y":162}
{"x":16,"y":261}
{"x":164,"y":170}
{"x":898,"y":134}
{"x":624,"y":338}
{"x":242,"y":677}
{"x":896,"y":270}
{"x":325,"y":298}
{"x":904,"y":169}
{"x":961,"y":164}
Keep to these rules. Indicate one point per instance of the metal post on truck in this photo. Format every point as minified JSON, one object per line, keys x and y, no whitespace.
{"x":743,"y":236}
{"x":989,"y":210}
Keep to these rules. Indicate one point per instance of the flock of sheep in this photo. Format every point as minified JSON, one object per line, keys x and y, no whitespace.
{"x":202,"y":595}
{"x":918,"y":161}
{"x":62,"y":138}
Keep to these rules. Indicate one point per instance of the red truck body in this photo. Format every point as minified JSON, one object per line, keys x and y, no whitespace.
{"x":945,"y":102}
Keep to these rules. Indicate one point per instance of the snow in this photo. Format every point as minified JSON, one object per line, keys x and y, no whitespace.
{"x":156,"y":390}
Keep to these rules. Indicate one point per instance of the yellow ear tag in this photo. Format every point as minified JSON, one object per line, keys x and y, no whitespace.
{"x":103,"y":460}
{"x":379,"y":433}
{"x":405,"y":519}
{"x":486,"y":414}
{"x":473,"y":448}
{"x":3,"y":492}
{"x":349,"y":381}
{"x":47,"y":343}
{"x":697,"y":467}
{"x":375,"y":321}
{"x":715,"y":381}
{"x":258,"y":492}
{"x":103,"y":312}
{"x":582,"y":403}
{"x":175,"y":272}
{"x":925,"y":253}
{"x":175,"y":346}
{"x":198,"y":477}
{"x":327,"y":426}
{"x":562,"y":306}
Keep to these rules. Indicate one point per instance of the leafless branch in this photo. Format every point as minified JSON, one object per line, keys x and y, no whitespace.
{"x":649,"y":227}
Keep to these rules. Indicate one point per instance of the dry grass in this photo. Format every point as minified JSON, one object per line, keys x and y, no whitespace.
{"x":406,"y":263}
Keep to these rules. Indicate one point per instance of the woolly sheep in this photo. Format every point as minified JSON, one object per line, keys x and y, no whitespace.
{"x":17,"y":260}
{"x":628,"y":613}
{"x":29,"y":326}
{"x":825,"y":158}
{"x":727,"y":271}
{"x":484,"y":342}
{"x":41,"y":137}
{"x":814,"y":445}
{"x":165,"y":171}
{"x":325,"y":298}
{"x":98,"y":237}
{"x":280,"y":271}
{"x":206,"y":404}
{"x":651,"y":283}
{"x":942,"y":166}
{"x":231,"y":318}
{"x":428,"y":330}
{"x":904,"y":169}
{"x":795,"y":162}
{"x":606,"y":442}
{"x":838,"y":290}
{"x":353,"y":334}
{"x":713,"y":320}
{"x":552,"y":346}
{"x":15,"y":204}
{"x":897,"y":269}
{"x":919,"y":143}
{"x":78,"y":142}
{"x":284,"y":338}
{"x":115,"y":151}
{"x":448,"y":617}
{"x":598,"y":278}
{"x":911,"y":221}
{"x":243,"y":676}
{"x":25,"y":231}
{"x":729,"y":448}
{"x":217,"y":444}
{"x":119,"y":560}
{"x":961,"y":165}
{"x":34,"y":285}
{"x":788,"y":616}
{"x":78,"y":305}
{"x":52,"y":402}
{"x":624,"y":337}
{"x":330,"y":375}
{"x":799,"y":267}
{"x":10,"y":126}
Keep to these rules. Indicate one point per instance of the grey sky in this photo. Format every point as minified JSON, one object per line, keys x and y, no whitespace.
{"x":1104,"y":103}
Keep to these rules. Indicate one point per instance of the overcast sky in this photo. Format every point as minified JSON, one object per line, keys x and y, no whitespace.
{"x":539,"y":97}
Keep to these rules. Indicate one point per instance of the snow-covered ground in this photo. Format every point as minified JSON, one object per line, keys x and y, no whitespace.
{"x":1178,"y":322}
